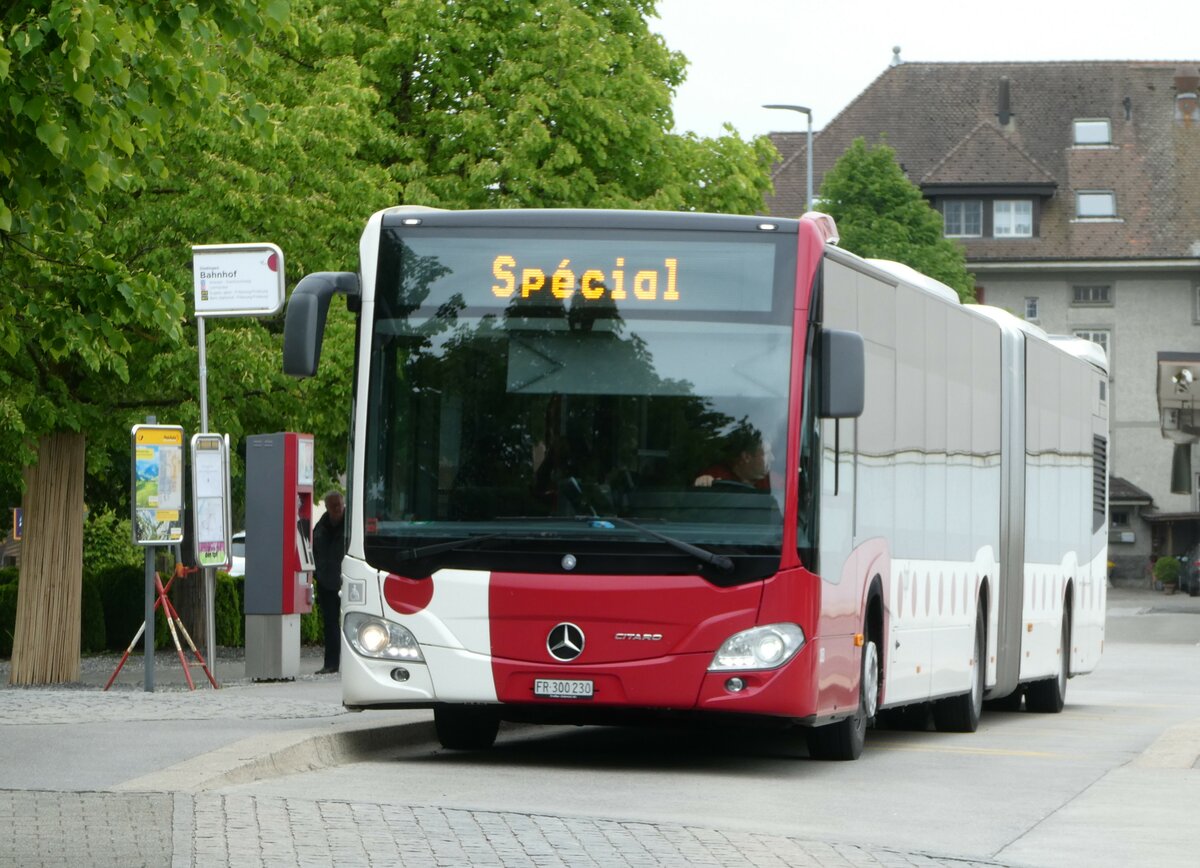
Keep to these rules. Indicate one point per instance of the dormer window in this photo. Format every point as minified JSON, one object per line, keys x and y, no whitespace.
{"x":1012,"y":218}
{"x":1093,"y":132}
{"x":1095,"y":204}
{"x":964,"y":218}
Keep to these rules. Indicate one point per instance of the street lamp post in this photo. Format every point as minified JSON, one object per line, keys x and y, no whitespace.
{"x":805,"y":111}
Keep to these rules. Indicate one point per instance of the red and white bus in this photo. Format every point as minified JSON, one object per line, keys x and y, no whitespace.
{"x":610,"y":464}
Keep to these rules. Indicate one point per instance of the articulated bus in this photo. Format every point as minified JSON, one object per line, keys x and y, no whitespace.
{"x":611,"y":466}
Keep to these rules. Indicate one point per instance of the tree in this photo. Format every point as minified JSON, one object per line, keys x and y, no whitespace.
{"x":292,"y":130}
{"x":343,"y":140}
{"x":540,"y":103}
{"x":880,"y":214}
{"x":88,"y":89}
{"x":300,"y":180}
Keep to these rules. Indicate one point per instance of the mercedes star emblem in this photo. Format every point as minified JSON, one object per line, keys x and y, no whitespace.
{"x":565,"y":642}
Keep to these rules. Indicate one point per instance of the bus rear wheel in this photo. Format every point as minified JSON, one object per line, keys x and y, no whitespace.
{"x":844,"y":739}
{"x":961,"y":713}
{"x":465,"y":728}
{"x":1050,"y":695}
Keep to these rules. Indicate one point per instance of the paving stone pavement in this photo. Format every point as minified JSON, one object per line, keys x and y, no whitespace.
{"x":35,"y":706}
{"x":194,"y":831}
{"x":198,"y":829}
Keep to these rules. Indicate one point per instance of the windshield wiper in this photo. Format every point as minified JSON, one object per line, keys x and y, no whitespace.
{"x":448,"y":546}
{"x":721,"y":562}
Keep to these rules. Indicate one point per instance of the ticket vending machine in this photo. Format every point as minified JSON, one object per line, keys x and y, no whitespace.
{"x":279,"y":557}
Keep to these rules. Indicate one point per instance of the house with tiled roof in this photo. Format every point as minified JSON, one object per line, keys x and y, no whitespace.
{"x":1074,"y":188}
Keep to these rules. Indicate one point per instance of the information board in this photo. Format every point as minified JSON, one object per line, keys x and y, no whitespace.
{"x":157,"y":452}
{"x":237,"y":279}
{"x":210,"y":500}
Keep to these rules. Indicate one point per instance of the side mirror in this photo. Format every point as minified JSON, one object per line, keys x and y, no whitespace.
{"x":842,"y":374}
{"x":304,"y":325}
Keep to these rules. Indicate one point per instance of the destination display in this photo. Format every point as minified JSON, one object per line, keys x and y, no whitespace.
{"x":676,"y":273}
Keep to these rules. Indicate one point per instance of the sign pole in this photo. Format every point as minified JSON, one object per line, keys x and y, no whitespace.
{"x":230,"y":280}
{"x":200,"y":341}
{"x":210,"y":590}
{"x":148,"y":637}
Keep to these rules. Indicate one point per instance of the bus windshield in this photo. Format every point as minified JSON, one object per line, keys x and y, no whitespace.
{"x":589,"y":391}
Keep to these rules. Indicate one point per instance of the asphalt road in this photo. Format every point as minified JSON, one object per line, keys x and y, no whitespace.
{"x":1110,"y":781}
{"x":278,"y":774}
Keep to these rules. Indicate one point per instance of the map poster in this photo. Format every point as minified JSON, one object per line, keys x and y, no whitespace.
{"x":157,"y":484}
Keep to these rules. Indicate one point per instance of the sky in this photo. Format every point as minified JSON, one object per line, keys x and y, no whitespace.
{"x":745,"y":53}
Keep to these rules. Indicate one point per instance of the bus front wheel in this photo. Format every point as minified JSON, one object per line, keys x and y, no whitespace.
{"x":844,"y":739}
{"x":465,"y":728}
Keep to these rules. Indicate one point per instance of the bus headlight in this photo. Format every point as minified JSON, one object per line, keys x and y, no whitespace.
{"x":766,"y":647}
{"x":375,"y":637}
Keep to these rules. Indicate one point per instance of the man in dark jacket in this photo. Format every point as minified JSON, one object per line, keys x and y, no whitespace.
{"x":329,"y":547}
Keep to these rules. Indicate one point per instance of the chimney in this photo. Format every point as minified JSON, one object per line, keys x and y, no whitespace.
{"x":1187,"y":106}
{"x":1004,"y":112}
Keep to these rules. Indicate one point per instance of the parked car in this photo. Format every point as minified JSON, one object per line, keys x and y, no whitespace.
{"x":1189,"y":575}
{"x":238,"y":541}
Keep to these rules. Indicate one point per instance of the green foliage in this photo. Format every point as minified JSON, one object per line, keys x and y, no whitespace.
{"x":90,"y":91}
{"x":91,"y":613}
{"x":107,"y":543}
{"x":312,"y":630}
{"x":1166,"y":570}
{"x":92,"y":636}
{"x":8,"y":617}
{"x":292,"y":123}
{"x":122,"y":592}
{"x":880,"y":214}
{"x":538,"y":103}
{"x":229,"y":611}
{"x":90,"y":87}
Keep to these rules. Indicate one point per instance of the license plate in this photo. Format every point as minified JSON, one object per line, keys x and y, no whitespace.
{"x":559,"y":689}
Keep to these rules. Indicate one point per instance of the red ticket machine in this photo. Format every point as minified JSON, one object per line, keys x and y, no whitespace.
{"x":279,"y":558}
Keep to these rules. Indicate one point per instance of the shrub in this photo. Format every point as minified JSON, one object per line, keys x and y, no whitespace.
{"x":122,"y":590}
{"x":91,"y":613}
{"x":108,"y":543}
{"x":1166,"y":570}
{"x":8,"y":617}
{"x":230,"y":620}
{"x":92,"y":635}
{"x":312,"y":632}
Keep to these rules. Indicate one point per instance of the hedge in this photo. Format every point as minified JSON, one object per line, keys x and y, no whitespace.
{"x":8,"y":617}
{"x":113,"y":607}
{"x":91,"y":615}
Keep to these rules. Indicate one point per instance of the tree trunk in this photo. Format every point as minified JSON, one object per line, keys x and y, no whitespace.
{"x":46,"y":639}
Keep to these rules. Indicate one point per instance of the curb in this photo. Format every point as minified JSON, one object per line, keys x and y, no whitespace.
{"x":261,"y":757}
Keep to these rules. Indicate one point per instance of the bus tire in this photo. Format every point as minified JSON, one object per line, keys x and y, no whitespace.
{"x":907,"y":718}
{"x":465,"y":728}
{"x":1012,"y":702}
{"x":961,"y":713}
{"x":844,"y":739}
{"x":1050,"y":695}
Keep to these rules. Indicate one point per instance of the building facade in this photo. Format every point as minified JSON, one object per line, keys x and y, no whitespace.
{"x":1074,"y":188}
